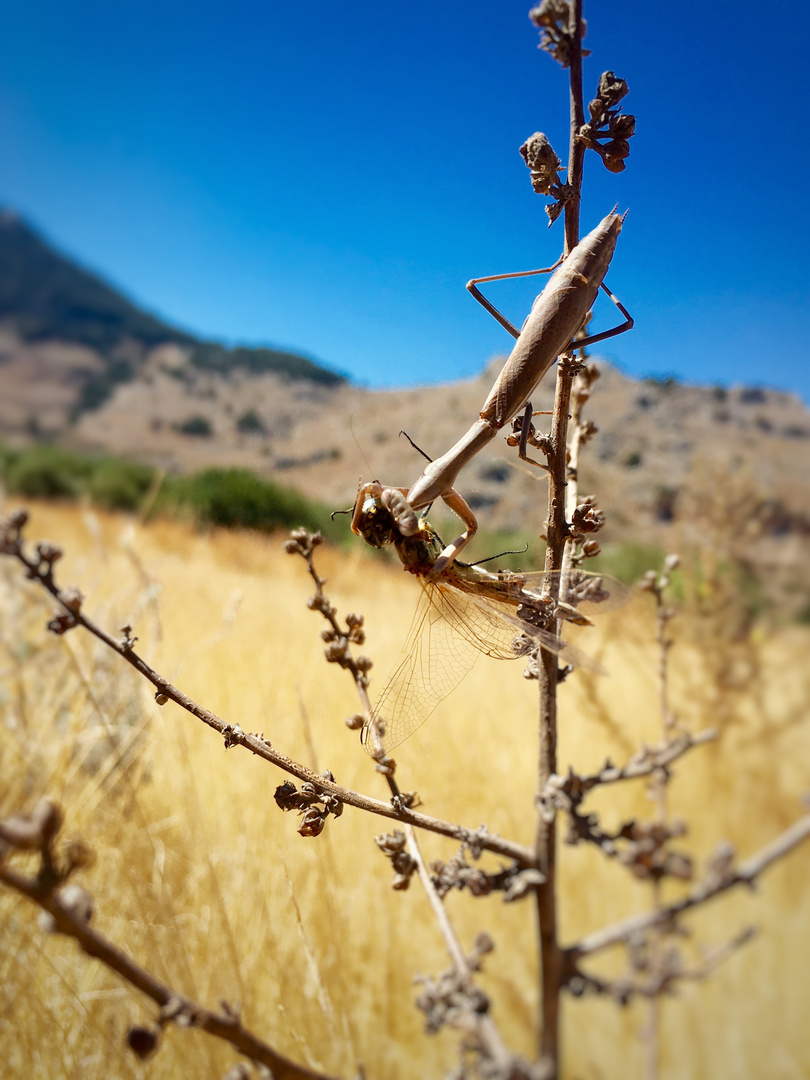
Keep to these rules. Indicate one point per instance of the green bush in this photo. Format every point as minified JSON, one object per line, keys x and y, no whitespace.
{"x":120,"y":485}
{"x":238,"y":499}
{"x":46,"y":472}
{"x":199,"y":426}
{"x":230,"y":498}
{"x":250,"y":423}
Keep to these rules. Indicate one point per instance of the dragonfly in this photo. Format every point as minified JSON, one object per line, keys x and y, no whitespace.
{"x":463,"y":611}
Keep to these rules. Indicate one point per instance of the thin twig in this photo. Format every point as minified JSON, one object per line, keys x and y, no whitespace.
{"x":477,"y":1019}
{"x":491,"y":1041}
{"x":713,"y":885}
{"x":41,"y":571}
{"x":70,"y":916}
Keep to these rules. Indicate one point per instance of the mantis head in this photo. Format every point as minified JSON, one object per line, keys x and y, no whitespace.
{"x":382,"y":515}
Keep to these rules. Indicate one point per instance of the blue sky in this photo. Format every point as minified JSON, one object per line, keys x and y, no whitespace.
{"x":328,"y":177}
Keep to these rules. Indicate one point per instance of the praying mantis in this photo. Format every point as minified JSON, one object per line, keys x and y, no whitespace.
{"x":464,"y":609}
{"x":549,"y":330}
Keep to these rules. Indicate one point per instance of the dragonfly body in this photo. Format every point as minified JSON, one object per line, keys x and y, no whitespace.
{"x":465,"y":610}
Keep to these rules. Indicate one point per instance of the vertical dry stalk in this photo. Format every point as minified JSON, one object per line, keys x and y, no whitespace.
{"x":658,"y":790}
{"x":556,"y":534}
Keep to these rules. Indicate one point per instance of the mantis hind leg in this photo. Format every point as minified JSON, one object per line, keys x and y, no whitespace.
{"x":626,"y":325}
{"x":482,"y":300}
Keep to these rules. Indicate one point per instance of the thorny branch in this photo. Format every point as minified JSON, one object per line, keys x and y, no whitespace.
{"x":70,"y":910}
{"x":41,"y":570}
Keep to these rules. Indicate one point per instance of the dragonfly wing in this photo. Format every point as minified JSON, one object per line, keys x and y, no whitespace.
{"x":506,"y":626}
{"x":592,"y":594}
{"x":437,"y":659}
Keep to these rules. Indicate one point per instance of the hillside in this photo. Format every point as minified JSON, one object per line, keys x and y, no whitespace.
{"x":93,"y":335}
{"x":673,"y":464}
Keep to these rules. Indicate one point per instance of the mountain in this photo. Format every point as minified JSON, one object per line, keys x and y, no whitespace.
{"x":721,"y":471}
{"x":45,"y":297}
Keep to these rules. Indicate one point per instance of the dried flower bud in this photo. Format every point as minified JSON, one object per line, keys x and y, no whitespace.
{"x":611,"y":88}
{"x":355,"y":722}
{"x":72,"y":599}
{"x":312,"y":822}
{"x":614,"y":164}
{"x":60,"y":624}
{"x":483,"y":944}
{"x":48,"y":552}
{"x":161,"y":699}
{"x":78,"y":902}
{"x":286,"y":796}
{"x":624,"y":126}
{"x":142,"y":1041}
{"x":540,"y":157}
{"x":522,"y":884}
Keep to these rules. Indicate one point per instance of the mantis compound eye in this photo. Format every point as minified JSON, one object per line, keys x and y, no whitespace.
{"x":375,"y":524}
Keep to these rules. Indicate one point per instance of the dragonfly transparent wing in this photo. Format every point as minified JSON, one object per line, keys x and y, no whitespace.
{"x":592,"y":594}
{"x":437,"y":657}
{"x":451,"y":626}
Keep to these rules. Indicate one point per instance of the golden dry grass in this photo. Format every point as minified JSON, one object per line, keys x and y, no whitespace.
{"x":203,"y":880}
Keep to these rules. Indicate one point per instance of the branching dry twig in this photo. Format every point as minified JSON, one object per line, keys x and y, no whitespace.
{"x":41,"y":571}
{"x":720,"y":877}
{"x":454,"y":999}
{"x":70,"y":910}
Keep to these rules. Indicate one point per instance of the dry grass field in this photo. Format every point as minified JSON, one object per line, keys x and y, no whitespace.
{"x":203,"y":880}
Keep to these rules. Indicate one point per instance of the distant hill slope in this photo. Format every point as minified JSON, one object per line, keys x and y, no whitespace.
{"x":44,"y":296}
{"x":678,"y":466}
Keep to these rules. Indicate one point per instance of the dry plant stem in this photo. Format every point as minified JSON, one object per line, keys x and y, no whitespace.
{"x":659,"y":784}
{"x":491,"y":1041}
{"x":576,"y":152}
{"x":261,"y":747}
{"x":222,"y":1025}
{"x":660,"y":982}
{"x":745,"y":874}
{"x":551,"y":967}
{"x":492,"y":1046}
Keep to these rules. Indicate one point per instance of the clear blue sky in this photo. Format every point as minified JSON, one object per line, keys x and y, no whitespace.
{"x":326,"y":177}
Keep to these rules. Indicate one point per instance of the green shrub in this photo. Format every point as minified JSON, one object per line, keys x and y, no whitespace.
{"x":237,"y":498}
{"x":120,"y":485}
{"x":250,"y":423}
{"x":199,"y":426}
{"x":230,"y":498}
{"x":46,"y":472}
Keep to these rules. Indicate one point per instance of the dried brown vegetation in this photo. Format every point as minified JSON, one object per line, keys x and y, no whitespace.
{"x":205,"y":884}
{"x":175,"y":873}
